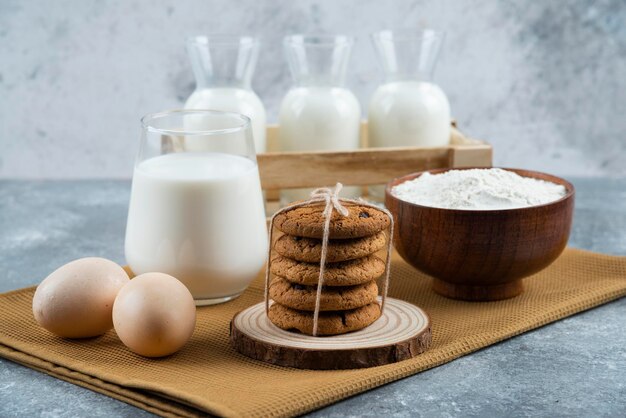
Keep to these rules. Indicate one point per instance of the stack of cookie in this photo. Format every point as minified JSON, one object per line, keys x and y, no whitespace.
{"x":349,"y":295}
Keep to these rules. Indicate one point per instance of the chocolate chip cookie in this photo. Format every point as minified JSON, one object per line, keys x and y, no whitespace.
{"x":329,"y":323}
{"x":309,"y":250}
{"x":308,"y":222}
{"x":343,"y":273}
{"x":301,"y":297}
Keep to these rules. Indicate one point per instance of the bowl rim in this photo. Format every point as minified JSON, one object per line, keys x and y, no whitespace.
{"x":570,"y":191}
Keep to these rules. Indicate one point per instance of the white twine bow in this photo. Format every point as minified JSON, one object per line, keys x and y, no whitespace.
{"x":332,"y":200}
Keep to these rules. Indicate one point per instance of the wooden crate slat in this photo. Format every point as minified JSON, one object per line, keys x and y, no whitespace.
{"x":365,"y":166}
{"x":478,"y":155}
{"x":357,"y":168}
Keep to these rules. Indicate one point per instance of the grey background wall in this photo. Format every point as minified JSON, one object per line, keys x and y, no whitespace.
{"x":543,"y":81}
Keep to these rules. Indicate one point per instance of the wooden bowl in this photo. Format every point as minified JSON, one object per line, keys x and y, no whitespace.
{"x":481,"y":255}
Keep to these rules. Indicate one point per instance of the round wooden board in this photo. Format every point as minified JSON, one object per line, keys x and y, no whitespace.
{"x":402,"y":332}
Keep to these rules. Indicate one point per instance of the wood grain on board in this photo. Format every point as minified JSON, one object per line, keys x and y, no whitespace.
{"x":402,"y":332}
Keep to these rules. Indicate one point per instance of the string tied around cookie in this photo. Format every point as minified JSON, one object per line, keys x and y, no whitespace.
{"x":332,"y":201}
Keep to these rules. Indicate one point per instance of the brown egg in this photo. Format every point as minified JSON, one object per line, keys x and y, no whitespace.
{"x":154,"y":315}
{"x":76,"y":300}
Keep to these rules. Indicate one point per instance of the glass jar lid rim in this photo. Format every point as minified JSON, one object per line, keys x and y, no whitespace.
{"x":146,"y":122}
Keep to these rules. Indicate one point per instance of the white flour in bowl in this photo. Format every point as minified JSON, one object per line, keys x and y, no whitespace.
{"x":478,"y":189}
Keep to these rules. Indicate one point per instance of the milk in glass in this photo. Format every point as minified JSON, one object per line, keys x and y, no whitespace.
{"x":200,"y":218}
{"x":198,"y":215}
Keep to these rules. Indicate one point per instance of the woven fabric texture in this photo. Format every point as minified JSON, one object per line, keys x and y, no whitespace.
{"x":207,"y":376}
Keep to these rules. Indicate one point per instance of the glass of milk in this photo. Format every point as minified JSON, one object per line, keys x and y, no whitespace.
{"x":196,"y":212}
{"x":408,"y":109}
{"x":223,"y":66}
{"x":318,"y":112}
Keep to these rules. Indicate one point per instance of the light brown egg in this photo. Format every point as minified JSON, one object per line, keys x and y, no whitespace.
{"x":76,"y":300}
{"x":154,"y":315}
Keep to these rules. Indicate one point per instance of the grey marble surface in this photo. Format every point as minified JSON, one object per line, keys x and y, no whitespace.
{"x":575,"y":367}
{"x":543,"y":80}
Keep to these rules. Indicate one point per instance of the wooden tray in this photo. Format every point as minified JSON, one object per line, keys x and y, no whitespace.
{"x":367,"y":166}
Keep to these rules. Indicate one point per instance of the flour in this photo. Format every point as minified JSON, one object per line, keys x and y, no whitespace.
{"x":478,"y":189}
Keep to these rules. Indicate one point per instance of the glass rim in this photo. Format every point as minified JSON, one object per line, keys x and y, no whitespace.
{"x":223,"y":39}
{"x":389,"y":35}
{"x":318,"y":39}
{"x":147,"y":119}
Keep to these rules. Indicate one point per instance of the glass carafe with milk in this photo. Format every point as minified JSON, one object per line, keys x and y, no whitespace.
{"x":223,"y":66}
{"x":196,"y":207}
{"x":408,"y":109}
{"x":318,"y":112}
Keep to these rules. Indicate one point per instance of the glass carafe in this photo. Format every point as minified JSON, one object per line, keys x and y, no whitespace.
{"x":408,"y":109}
{"x":223,"y":66}
{"x":197,"y":212}
{"x":318,"y":112}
